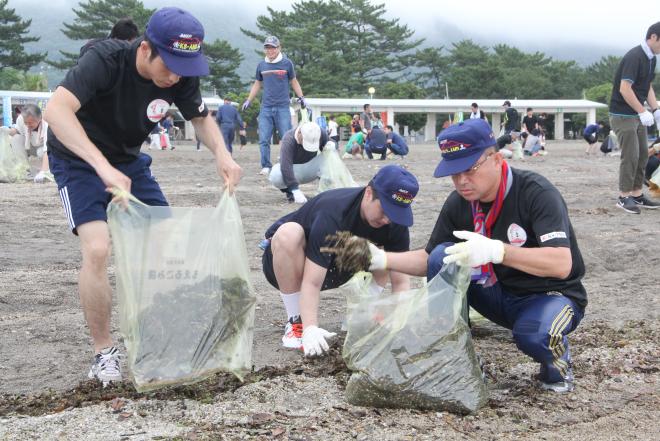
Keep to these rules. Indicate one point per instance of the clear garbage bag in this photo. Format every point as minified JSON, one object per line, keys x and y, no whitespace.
{"x":413,"y":350}
{"x":334,"y":173}
{"x":13,"y":164}
{"x":185,"y":300}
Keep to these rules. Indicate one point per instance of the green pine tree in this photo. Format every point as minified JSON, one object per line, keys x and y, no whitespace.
{"x":13,"y":37}
{"x":95,"y":19}
{"x":224,"y":60}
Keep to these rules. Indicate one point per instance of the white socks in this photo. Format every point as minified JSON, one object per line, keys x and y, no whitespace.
{"x":291,"y":303}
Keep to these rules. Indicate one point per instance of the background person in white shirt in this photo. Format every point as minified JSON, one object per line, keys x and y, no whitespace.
{"x":29,"y":137}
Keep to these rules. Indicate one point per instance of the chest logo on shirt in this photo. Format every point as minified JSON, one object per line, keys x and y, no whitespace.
{"x":157,"y":109}
{"x":517,"y":235}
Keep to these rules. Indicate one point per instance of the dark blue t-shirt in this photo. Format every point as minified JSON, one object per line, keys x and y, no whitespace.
{"x":339,"y":210}
{"x":377,"y":138}
{"x":228,"y":115}
{"x":275,"y":78}
{"x":590,"y":130}
{"x":397,"y":139}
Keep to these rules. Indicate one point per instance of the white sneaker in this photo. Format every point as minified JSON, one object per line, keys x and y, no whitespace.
{"x":106,"y":366}
{"x":347,"y":156}
{"x":293,"y":332}
{"x":265,"y":171}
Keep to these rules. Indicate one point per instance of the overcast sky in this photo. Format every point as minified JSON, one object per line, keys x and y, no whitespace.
{"x":535,"y":23}
{"x":596,"y":22}
{"x":597,"y":27}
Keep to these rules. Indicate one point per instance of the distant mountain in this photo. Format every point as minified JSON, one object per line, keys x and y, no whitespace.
{"x":224,"y":21}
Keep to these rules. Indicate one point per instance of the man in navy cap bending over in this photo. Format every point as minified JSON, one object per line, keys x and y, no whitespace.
{"x":293,"y":261}
{"x":512,"y":227}
{"x":98,"y":117}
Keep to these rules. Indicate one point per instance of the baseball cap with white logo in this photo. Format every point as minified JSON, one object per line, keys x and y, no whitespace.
{"x":178,"y":37}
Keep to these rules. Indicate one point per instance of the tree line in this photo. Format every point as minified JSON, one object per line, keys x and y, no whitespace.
{"x":340,"y":48}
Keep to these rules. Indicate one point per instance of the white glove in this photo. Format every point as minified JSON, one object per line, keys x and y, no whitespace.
{"x":646,"y":118}
{"x":40,"y":177}
{"x":378,"y":258}
{"x":330,"y":146}
{"x":477,"y":250}
{"x":656,"y":115}
{"x":314,"y":340}
{"x":298,"y":196}
{"x":656,"y":147}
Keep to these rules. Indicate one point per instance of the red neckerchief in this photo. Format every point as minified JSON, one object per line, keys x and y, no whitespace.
{"x":483,"y":224}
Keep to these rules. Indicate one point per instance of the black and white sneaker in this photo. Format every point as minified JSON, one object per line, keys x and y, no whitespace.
{"x":643,"y":202}
{"x":628,"y":205}
{"x":106,"y":366}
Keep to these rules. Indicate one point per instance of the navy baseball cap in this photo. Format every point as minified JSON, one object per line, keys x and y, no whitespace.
{"x":272,"y":41}
{"x":178,"y":36}
{"x":461,"y":145}
{"x":396,"y":188}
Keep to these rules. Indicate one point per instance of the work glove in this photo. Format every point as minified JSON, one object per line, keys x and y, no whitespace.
{"x":245,"y":105}
{"x":477,"y":250}
{"x":646,"y":118}
{"x":302,"y":102}
{"x":314,"y":340}
{"x":656,"y":115}
{"x":298,"y":196}
{"x":656,"y":147}
{"x":378,"y":258}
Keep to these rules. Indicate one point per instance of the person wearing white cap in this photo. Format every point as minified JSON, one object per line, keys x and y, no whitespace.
{"x":300,"y":162}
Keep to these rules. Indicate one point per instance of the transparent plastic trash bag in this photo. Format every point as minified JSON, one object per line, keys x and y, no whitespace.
{"x":414,"y":349}
{"x":13,"y":164}
{"x":334,"y":173}
{"x":185,"y":300}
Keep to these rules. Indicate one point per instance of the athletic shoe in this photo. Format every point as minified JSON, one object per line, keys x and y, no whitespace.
{"x":561,"y":387}
{"x":106,"y":366}
{"x":265,"y":171}
{"x":293,"y":332}
{"x":643,"y":202}
{"x":628,"y":205}
{"x":289,"y":196}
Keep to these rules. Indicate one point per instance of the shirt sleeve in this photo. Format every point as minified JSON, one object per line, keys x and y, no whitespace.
{"x":630,"y":70}
{"x":258,"y":75}
{"x":549,"y":217}
{"x":287,"y":152}
{"x":188,"y":99}
{"x":445,"y":225}
{"x":91,"y":75}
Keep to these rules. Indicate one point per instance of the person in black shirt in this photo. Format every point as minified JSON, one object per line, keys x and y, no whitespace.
{"x":516,"y":235}
{"x":98,"y":117}
{"x":629,"y":118}
{"x":124,"y":29}
{"x":293,"y":261}
{"x":530,"y":122}
{"x":511,"y":121}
